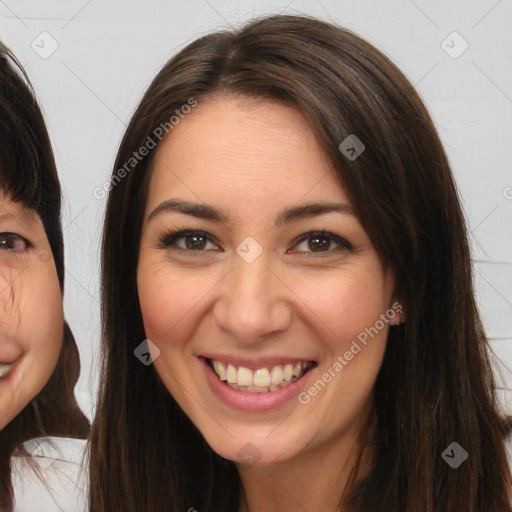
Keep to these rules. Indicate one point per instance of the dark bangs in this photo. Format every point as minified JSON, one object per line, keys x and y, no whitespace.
{"x":27,"y":169}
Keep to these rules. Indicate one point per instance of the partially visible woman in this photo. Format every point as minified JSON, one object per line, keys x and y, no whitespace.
{"x":42,"y":427}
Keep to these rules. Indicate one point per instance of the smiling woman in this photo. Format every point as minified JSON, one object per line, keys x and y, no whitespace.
{"x":273,"y":248}
{"x":39,"y":363}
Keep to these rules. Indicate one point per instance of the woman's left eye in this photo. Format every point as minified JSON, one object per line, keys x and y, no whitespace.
{"x":11,"y":242}
{"x":318,"y":242}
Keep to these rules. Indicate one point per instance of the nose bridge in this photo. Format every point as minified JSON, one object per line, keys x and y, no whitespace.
{"x":252,"y":303}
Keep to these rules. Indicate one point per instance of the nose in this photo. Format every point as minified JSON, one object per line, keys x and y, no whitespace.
{"x":254,"y":302}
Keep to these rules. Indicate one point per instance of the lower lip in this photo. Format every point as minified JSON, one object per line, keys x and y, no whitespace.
{"x":252,"y":401}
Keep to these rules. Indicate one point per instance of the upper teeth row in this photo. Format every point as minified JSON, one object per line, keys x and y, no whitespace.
{"x":260,"y":377}
{"x":5,"y":369}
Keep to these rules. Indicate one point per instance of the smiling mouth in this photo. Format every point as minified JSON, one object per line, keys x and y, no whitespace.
{"x":262,"y":380}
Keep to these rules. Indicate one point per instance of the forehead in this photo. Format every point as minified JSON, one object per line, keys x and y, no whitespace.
{"x":243,"y":149}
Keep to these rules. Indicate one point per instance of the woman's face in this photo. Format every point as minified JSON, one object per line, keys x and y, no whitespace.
{"x":31,"y":318}
{"x":260,"y":300}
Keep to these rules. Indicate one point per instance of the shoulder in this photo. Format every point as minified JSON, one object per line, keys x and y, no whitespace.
{"x":52,"y":477}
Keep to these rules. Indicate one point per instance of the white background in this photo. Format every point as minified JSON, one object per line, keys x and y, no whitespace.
{"x":108,"y":52}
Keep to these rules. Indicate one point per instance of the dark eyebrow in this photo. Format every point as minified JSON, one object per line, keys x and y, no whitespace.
{"x":288,"y":215}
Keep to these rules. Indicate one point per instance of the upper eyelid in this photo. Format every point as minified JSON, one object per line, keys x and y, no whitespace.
{"x":12,"y":233}
{"x":25,"y":236}
{"x":183,"y":233}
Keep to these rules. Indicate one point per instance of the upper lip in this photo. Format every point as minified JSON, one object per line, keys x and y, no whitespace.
{"x":10,"y":360}
{"x":10,"y":349}
{"x":256,"y":362}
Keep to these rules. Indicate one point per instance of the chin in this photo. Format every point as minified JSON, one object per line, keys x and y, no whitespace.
{"x":253,"y":449}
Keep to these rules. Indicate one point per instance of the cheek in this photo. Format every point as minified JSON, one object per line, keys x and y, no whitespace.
{"x":343,"y":304}
{"x":347,"y":306}
{"x":31,"y":302}
{"x":34,"y":318}
{"x":354,"y":336}
{"x":42,"y":321}
{"x":167,"y":300}
{"x":169,"y":307}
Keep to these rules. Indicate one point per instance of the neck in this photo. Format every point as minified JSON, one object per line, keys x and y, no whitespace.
{"x":316,"y":479}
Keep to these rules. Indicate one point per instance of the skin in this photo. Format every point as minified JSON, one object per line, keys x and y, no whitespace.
{"x":31,"y":316}
{"x":252,"y":159}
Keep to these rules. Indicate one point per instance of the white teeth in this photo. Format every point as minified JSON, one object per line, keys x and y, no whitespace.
{"x":256,"y":389}
{"x":244,"y":377}
{"x":220,"y":370}
{"x":5,"y":369}
{"x":231,"y":374}
{"x":262,"y":379}
{"x":276,"y":375}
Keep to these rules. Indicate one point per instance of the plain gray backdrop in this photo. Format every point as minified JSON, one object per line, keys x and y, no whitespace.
{"x":91,"y":60}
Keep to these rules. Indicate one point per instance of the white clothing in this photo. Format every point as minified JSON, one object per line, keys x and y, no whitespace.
{"x":61,"y":463}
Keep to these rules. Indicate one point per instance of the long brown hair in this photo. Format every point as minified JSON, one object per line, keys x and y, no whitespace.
{"x":28,"y":175}
{"x":435,"y":385}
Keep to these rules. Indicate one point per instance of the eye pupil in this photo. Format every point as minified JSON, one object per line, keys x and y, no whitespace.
{"x":323,"y":243}
{"x":198,"y":242}
{"x":8,"y":242}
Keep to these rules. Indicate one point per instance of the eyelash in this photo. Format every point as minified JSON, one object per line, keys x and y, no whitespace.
{"x":169,"y":238}
{"x":17,"y":238}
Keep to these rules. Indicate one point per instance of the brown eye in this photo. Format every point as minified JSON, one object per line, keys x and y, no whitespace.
{"x":321,"y":242}
{"x":191,"y":241}
{"x":11,"y":242}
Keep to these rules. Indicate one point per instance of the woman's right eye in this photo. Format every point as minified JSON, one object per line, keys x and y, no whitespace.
{"x":11,"y":242}
{"x":194,"y":241}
